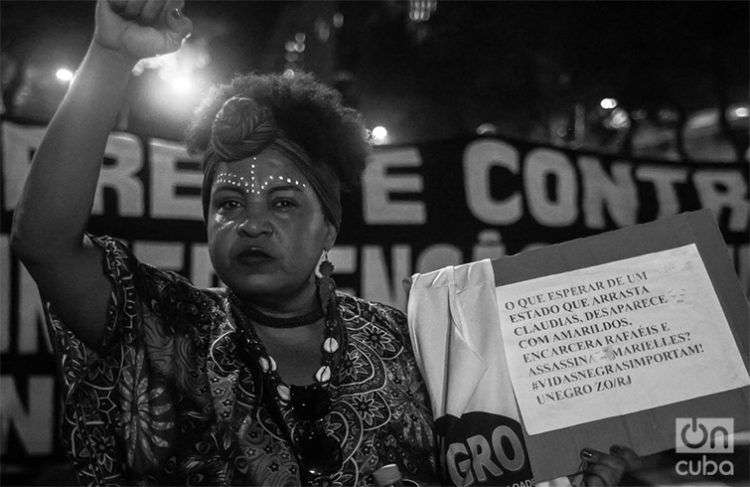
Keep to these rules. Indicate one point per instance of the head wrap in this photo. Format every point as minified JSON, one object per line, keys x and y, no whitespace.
{"x":242,"y":128}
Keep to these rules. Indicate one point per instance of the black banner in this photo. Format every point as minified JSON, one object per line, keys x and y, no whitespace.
{"x":420,"y":207}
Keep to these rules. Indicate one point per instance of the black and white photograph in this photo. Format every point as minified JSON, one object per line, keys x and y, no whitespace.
{"x":383,"y":243}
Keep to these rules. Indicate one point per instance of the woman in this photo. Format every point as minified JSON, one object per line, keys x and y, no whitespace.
{"x":275,"y":380}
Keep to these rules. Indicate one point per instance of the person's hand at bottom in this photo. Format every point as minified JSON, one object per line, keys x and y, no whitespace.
{"x":602,"y":469}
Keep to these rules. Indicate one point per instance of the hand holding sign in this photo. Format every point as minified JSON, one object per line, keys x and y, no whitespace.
{"x":602,"y":469}
{"x":616,"y":336}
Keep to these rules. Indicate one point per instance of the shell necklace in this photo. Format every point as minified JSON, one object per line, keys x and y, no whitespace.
{"x":254,"y":352}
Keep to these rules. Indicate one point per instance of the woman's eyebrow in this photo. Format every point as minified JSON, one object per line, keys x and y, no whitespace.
{"x":285,"y":187}
{"x":228,"y":187}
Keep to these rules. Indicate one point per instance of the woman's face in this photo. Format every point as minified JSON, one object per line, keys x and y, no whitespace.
{"x":266,"y":228}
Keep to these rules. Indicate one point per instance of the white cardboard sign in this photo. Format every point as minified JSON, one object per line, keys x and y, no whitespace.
{"x":616,"y":338}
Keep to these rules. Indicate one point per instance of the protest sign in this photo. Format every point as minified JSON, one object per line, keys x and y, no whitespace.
{"x":610,"y":338}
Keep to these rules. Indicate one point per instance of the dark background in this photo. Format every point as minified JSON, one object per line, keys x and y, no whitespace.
{"x":430,"y":69}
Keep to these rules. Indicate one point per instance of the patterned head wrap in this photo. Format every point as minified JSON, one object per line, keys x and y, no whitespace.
{"x":242,"y":128}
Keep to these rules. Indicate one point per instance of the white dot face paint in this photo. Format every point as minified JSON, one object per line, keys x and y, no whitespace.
{"x":255,"y":184}
{"x":265,"y":227}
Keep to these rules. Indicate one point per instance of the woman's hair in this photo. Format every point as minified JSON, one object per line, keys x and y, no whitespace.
{"x":307,"y":111}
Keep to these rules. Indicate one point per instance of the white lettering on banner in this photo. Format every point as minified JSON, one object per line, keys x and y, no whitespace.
{"x":619,"y":193}
{"x":664,"y":180}
{"x":558,"y":212}
{"x":4,"y":294}
{"x":437,"y":256}
{"x":126,"y":150}
{"x":30,"y":315}
{"x":716,"y":189}
{"x":34,"y":424}
{"x":18,"y":144}
{"x":166,"y":177}
{"x":479,"y":158}
{"x":719,"y":189}
{"x":375,"y":283}
{"x":377,"y":186}
{"x":164,"y":255}
{"x":489,"y":245}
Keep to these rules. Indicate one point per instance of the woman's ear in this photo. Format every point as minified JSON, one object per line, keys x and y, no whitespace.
{"x":331,"y":235}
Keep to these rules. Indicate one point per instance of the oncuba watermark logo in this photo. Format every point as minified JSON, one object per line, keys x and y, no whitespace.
{"x":704,"y":436}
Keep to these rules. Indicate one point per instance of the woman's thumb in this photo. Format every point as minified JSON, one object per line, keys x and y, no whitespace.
{"x":177,"y":21}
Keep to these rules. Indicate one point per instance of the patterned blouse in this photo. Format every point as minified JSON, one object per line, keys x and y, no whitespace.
{"x":166,"y":400}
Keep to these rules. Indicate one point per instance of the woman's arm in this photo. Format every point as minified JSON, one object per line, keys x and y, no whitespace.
{"x":49,"y":223}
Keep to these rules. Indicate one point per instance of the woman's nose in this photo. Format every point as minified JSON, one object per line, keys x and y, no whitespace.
{"x":255,"y":223}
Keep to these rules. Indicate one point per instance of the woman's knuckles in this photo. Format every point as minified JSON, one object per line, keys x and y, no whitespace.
{"x":142,"y":28}
{"x":152,"y":11}
{"x":142,"y":41}
{"x":133,"y":9}
{"x":629,"y":457}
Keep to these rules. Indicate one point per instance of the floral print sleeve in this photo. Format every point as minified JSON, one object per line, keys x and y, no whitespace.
{"x":117,"y":409}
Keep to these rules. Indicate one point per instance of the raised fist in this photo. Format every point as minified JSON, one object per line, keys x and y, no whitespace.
{"x":141,"y":28}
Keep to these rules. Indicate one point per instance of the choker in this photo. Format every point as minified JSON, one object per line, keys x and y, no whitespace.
{"x":261,"y":318}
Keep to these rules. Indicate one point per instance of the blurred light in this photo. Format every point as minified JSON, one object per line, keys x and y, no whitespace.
{"x":667,"y":115}
{"x":189,"y":57}
{"x":703,"y":119}
{"x":300,"y":37}
{"x":619,"y":119}
{"x":289,"y":73}
{"x":322,"y":29}
{"x":290,"y":46}
{"x":338,"y":20}
{"x":737,"y":115}
{"x":172,"y":95}
{"x":181,"y":84}
{"x":487,"y":129}
{"x":421,"y":10}
{"x":639,"y":114}
{"x":379,"y":134}
{"x":64,"y":75}
{"x":608,"y":103}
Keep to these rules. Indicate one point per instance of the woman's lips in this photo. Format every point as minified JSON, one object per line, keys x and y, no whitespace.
{"x":253,"y":257}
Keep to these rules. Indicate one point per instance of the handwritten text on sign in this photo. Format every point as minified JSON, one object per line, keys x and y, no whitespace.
{"x":616,"y":338}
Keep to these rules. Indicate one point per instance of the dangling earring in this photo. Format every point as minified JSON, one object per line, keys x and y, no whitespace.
{"x":326,"y":284}
{"x":325,"y":267}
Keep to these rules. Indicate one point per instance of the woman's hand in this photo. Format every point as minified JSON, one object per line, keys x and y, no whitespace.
{"x":141,"y":28}
{"x":607,"y":469}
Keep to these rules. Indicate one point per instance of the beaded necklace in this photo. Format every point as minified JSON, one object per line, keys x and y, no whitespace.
{"x":254,"y":348}
{"x":317,"y":453}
